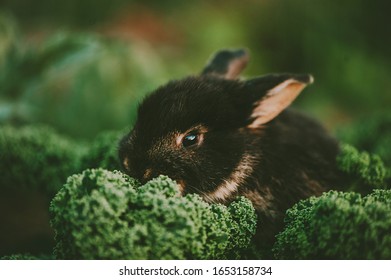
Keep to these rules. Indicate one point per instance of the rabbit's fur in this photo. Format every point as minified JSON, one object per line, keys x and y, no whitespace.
{"x":221,"y":137}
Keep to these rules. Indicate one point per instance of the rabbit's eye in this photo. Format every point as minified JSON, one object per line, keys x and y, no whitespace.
{"x":190,"y":140}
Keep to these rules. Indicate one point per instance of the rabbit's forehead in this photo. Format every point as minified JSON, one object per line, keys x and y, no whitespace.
{"x":179,"y":114}
{"x":179,"y":106}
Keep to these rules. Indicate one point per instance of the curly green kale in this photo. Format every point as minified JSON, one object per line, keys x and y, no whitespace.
{"x":36,"y":158}
{"x":371,"y":134}
{"x":338,"y":225}
{"x":26,"y":256}
{"x":101,"y":214}
{"x":363,"y":166}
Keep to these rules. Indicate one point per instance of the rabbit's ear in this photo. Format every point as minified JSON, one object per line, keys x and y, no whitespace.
{"x":271,"y":94}
{"x":227,"y":64}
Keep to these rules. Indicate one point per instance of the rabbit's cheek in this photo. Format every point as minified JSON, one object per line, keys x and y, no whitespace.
{"x":230,"y":186}
{"x":262,"y":201}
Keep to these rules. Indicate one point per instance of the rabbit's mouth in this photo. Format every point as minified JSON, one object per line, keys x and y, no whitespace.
{"x":181,"y":185}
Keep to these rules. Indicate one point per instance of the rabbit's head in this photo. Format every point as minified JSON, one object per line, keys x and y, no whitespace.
{"x":204,"y":131}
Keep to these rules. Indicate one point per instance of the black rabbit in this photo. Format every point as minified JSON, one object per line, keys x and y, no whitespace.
{"x":221,"y":137}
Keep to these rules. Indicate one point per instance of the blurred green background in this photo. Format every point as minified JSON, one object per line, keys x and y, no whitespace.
{"x":83,"y":66}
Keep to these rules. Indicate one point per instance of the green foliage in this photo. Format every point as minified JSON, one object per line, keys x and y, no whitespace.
{"x":80,"y":84}
{"x":27,"y":146}
{"x":362,"y":166}
{"x":338,"y":225}
{"x":36,"y":158}
{"x":46,"y":158}
{"x":103,"y":151}
{"x":372,"y":134}
{"x":89,"y":83}
{"x":107,"y":215}
{"x":26,"y":257}
{"x":75,"y":13}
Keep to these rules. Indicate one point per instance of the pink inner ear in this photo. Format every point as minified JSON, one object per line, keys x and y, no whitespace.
{"x":275,"y":101}
{"x":236,"y":67}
